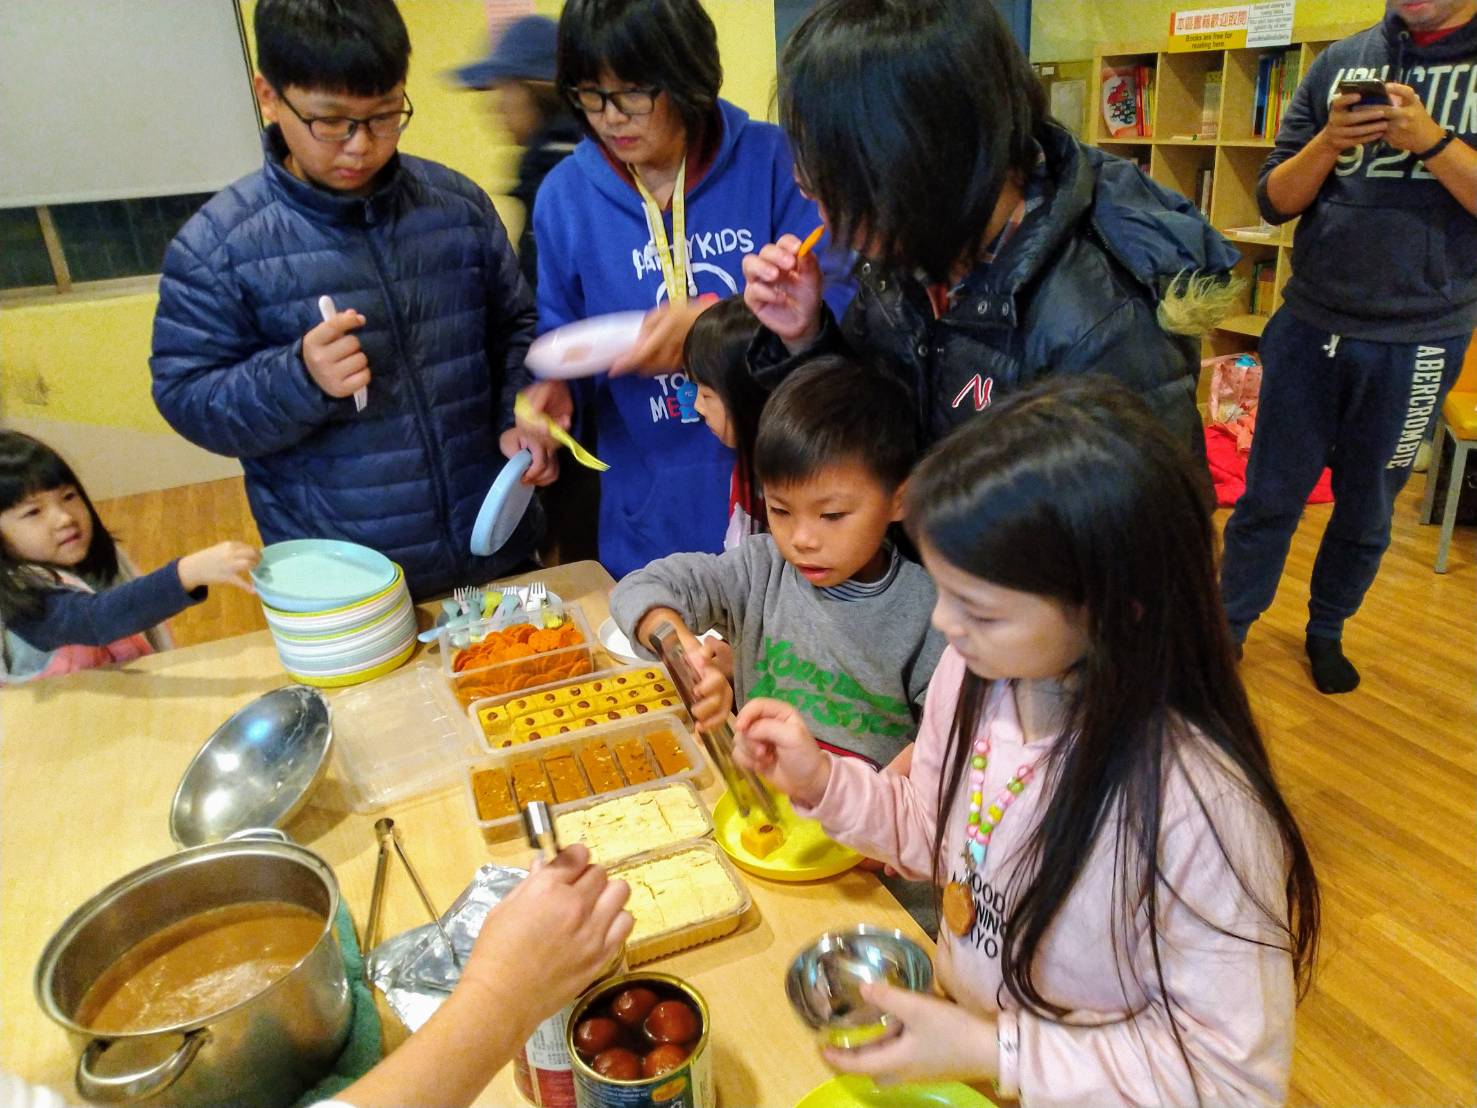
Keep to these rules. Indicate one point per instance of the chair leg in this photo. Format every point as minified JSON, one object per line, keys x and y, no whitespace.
{"x":1433,"y":473}
{"x":1453,"y":494}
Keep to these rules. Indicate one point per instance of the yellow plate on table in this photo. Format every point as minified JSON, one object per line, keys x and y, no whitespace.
{"x":862,"y":1092}
{"x":806,"y":854}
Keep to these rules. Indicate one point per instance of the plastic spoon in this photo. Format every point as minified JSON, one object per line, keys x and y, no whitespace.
{"x":328,"y":311}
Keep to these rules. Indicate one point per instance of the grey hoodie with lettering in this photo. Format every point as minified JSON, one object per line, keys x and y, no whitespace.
{"x":1385,"y":252}
{"x":857,"y":669}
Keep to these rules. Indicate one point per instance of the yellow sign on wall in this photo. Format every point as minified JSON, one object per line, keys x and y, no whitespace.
{"x":1230,"y":28}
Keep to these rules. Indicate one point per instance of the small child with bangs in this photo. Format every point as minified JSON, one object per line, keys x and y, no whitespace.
{"x":823,"y":612}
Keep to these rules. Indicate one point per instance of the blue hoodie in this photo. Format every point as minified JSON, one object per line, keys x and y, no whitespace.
{"x":667,"y":487}
{"x":1385,"y":252}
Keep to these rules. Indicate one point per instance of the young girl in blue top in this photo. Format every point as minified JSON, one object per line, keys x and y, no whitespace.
{"x":654,"y":211}
{"x":68,"y":598}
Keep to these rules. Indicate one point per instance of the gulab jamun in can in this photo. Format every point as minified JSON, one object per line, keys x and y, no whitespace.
{"x":542,"y":1067}
{"x":641,"y":1041}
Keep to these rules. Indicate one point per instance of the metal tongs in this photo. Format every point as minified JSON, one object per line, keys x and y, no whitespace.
{"x":745,"y":786}
{"x":389,"y":839}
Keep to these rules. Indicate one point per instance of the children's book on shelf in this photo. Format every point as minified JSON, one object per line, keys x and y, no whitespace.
{"x":1204,"y":182}
{"x":1263,"y":286}
{"x":1127,"y":94}
{"x":1210,"y":104}
{"x":1277,"y":77}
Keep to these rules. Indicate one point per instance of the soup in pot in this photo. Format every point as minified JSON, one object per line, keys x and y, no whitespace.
{"x":199,"y":966}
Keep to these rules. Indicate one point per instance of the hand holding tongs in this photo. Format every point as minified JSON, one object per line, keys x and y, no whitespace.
{"x":745,"y":786}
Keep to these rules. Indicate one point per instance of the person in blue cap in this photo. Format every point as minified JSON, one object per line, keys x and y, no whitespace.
{"x":520,"y":70}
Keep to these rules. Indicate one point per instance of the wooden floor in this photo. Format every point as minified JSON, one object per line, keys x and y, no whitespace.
{"x":1383,"y":780}
{"x":154,"y":527}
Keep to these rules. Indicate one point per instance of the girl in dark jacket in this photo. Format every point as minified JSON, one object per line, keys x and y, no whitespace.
{"x":996,"y":248}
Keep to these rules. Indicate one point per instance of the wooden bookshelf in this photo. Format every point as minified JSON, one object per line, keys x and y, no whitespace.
{"x":1176,"y":155}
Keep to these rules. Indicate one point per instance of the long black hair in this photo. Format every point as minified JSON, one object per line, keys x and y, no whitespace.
{"x":715,"y":354}
{"x":907,"y":118}
{"x":1073,"y":490}
{"x":29,"y":466}
{"x":669,"y":43}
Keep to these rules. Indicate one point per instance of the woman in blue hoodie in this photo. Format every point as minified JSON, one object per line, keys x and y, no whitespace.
{"x":655,"y":211}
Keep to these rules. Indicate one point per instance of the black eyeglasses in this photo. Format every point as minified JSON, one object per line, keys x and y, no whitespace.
{"x":341,"y":128}
{"x":634,"y":101}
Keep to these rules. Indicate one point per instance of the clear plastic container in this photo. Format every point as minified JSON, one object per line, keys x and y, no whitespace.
{"x":577,"y":703}
{"x":583,"y":774}
{"x":647,"y":944}
{"x":604,"y":808}
{"x":520,"y":673}
{"x":398,"y":737}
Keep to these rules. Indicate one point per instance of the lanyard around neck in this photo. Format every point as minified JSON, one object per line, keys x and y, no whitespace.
{"x":674,"y":260}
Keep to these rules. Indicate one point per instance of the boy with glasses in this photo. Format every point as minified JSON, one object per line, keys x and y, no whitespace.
{"x":429,"y":325}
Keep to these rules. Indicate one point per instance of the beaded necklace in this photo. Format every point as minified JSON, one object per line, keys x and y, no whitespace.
{"x":981,"y":822}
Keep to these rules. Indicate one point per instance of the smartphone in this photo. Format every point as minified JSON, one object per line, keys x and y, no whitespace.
{"x":1371,"y":93}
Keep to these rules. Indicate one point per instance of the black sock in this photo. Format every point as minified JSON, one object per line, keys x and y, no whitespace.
{"x":1332,"y":672}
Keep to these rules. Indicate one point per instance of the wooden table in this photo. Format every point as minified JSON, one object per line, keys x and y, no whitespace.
{"x":88,"y":768}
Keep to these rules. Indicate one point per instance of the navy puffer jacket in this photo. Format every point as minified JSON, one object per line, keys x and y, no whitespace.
{"x":426,"y":261}
{"x":1079,"y":289}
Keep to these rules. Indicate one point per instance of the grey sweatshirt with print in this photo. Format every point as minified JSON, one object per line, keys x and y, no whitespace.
{"x":857,"y":670}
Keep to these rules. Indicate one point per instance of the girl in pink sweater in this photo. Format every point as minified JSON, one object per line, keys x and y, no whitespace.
{"x":1127,"y":906}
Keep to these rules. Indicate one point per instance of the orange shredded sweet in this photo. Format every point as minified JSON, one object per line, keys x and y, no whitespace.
{"x":488,"y":674}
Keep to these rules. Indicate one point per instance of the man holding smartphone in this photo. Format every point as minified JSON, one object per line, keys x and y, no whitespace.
{"x":1377,"y":314}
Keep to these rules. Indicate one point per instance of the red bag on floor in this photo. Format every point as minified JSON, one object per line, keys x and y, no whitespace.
{"x":1235,"y":381}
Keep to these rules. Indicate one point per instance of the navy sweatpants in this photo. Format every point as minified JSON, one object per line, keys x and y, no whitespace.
{"x":1361,"y":408}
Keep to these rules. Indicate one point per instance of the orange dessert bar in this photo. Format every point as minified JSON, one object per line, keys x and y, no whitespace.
{"x":668,"y":752}
{"x":599,"y":767}
{"x":564,"y":775}
{"x":631,"y":754}
{"x":490,"y":791}
{"x":529,"y":783}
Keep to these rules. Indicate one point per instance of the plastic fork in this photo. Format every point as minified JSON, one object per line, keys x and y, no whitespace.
{"x":538,"y":596}
{"x":468,"y":600}
{"x":524,"y":410}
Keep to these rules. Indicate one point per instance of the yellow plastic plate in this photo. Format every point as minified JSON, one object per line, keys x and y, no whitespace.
{"x":861,"y":1092}
{"x":806,"y":855}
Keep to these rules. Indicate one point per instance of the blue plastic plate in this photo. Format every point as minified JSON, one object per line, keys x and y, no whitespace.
{"x":503,"y":509}
{"x":318,"y":575}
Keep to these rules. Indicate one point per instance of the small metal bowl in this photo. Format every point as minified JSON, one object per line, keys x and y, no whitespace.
{"x":824,"y":982}
{"x":256,"y":770}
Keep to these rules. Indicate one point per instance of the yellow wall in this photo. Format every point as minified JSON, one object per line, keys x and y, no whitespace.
{"x":85,"y":361}
{"x":1062,"y":29}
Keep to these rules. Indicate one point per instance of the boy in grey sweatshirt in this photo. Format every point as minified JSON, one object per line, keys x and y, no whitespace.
{"x":823,"y":612}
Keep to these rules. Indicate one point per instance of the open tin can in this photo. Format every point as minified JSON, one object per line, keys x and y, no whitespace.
{"x":689,"y":1085}
{"x":542,"y":1068}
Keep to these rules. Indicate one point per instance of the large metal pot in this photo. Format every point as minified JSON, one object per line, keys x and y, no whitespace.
{"x":265,"y":1049}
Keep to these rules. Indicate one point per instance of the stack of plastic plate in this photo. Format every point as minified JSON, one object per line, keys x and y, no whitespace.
{"x":339,"y":613}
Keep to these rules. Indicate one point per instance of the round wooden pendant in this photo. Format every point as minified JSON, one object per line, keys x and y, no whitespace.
{"x":958,"y":908}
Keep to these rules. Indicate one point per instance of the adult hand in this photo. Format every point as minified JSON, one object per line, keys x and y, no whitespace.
{"x":553,"y":934}
{"x":1409,"y":125}
{"x":1348,"y":126}
{"x":548,"y":398}
{"x":658,"y":348}
{"x":543,"y":469}
{"x":784,"y":291}
{"x":333,"y":356}
{"x":772,"y":740}
{"x":939,"y":1041}
{"x":225,"y":563}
